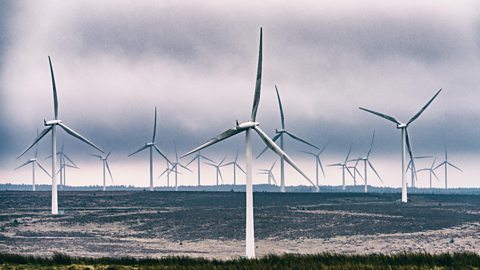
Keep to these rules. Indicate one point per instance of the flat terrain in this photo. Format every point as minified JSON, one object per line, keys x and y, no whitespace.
{"x":212,"y":224}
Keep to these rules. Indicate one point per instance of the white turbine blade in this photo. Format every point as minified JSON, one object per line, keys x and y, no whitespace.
{"x":236,"y":157}
{"x":349,"y":172}
{"x":43,"y":169}
{"x":375,"y":171}
{"x":280,"y":152}
{"x":434,"y":174}
{"x":93,"y":155}
{"x":258,"y":83}
{"x":69,"y":159}
{"x":300,"y":139}
{"x":226,"y":164}
{"x":273,"y":165}
{"x":39,"y":137}
{"x":78,"y":136}
{"x":321,"y":166}
{"x":358,"y":172}
{"x":324,"y":147}
{"x":24,"y":164}
{"x":282,"y":117}
{"x":348,"y":154}
{"x":165,"y":171}
{"x":421,"y":170}
{"x":36,"y":147}
{"x":273,"y":178}
{"x":160,"y":152}
{"x":335,"y":164}
{"x":221,"y":137}
{"x":433,"y":163}
{"x":204,"y":157}
{"x":141,"y":149}
{"x":220,"y":173}
{"x":210,"y":164}
{"x":70,"y":166}
{"x":439,"y":165}
{"x":55,"y":99}
{"x":154,"y":126}
{"x":240,"y":168}
{"x":176,"y":152}
{"x":454,"y":166}
{"x":106,"y":157}
{"x":275,"y":138}
{"x":109,"y":171}
{"x":371,"y":144}
{"x":193,"y":159}
{"x":423,"y":108}
{"x":186,"y":168}
{"x":388,"y":117}
{"x":220,"y":164}
{"x":309,"y":153}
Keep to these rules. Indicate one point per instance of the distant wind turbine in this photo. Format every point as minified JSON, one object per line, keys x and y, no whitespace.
{"x":198,"y":158}
{"x":175,"y":166}
{"x":34,"y":161}
{"x":344,"y":167}
{"x":63,"y":158}
{"x":217,"y":166}
{"x":366,"y":161}
{"x":318,"y":162}
{"x":355,"y":171}
{"x":413,"y":173}
{"x":446,"y":163}
{"x":405,"y":139}
{"x":152,"y":145}
{"x":247,"y":127}
{"x":235,"y":165}
{"x":104,"y":160}
{"x":269,"y":173}
{"x":51,"y":126}
{"x":431,"y":171}
{"x":280,"y":134}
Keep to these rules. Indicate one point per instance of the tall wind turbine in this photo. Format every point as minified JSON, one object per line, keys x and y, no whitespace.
{"x":235,"y":165}
{"x":198,"y":158}
{"x":280,"y":134}
{"x":269,"y":173}
{"x":431,"y":171}
{"x":34,"y":161}
{"x":405,"y":139}
{"x":217,"y":166}
{"x":344,"y":167}
{"x":446,"y":163}
{"x":366,"y":161}
{"x":175,"y":167}
{"x":247,"y":127}
{"x":318,"y":162}
{"x":51,"y":126}
{"x":152,"y":145}
{"x":104,"y":160}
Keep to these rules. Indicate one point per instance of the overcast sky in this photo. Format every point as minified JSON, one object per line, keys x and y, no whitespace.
{"x":115,"y":61}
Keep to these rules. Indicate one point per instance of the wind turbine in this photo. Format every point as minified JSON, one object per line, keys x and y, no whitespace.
{"x":366,"y":161}
{"x":405,"y":139}
{"x":355,"y":171}
{"x":235,"y":165}
{"x":269,"y":172}
{"x":431,"y":171}
{"x":175,"y":167}
{"x":446,"y":163}
{"x":152,"y":145}
{"x":414,"y":172}
{"x":104,"y":160}
{"x":34,"y":161}
{"x":280,"y":134}
{"x":247,"y":127}
{"x":344,"y":167}
{"x":318,"y":162}
{"x":51,"y":126}
{"x":198,"y":158}
{"x":217,"y":167}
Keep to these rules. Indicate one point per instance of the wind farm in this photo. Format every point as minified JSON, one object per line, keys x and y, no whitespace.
{"x":263,"y":148}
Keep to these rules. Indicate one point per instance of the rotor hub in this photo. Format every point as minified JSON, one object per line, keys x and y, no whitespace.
{"x":52,"y":122}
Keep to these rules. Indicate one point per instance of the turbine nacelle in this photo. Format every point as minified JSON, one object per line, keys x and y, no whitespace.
{"x":402,"y":125}
{"x":280,"y":130}
{"x":32,"y":160}
{"x":149,"y":144}
{"x":247,"y":125}
{"x":51,"y":122}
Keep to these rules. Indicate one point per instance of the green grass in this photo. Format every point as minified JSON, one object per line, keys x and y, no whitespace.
{"x":320,"y":261}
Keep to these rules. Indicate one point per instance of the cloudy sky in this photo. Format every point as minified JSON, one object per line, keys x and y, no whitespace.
{"x":115,"y":61}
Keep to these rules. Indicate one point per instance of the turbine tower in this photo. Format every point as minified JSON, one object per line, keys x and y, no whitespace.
{"x":405,"y":139}
{"x":247,"y":127}
{"x":51,"y":126}
{"x":235,"y":165}
{"x":217,"y":167}
{"x":152,"y":145}
{"x":269,"y":173}
{"x":104,"y":160}
{"x":344,"y":167}
{"x":366,"y":161}
{"x":280,"y":134}
{"x":446,"y":163}
{"x":318,"y":162}
{"x":198,"y":158}
{"x":431,"y":171}
{"x":34,"y":161}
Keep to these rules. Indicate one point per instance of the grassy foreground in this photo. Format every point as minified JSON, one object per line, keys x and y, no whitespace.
{"x":320,"y":261}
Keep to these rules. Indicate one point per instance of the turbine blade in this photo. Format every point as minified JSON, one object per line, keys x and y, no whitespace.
{"x":439,"y":165}
{"x":184,"y":167}
{"x":165,"y":171}
{"x":109,"y":171}
{"x":39,"y":137}
{"x":348,"y":154}
{"x":349,"y":172}
{"x":371,"y":144}
{"x":375,"y":171}
{"x":93,"y":155}
{"x":204,"y":157}
{"x":358,"y":172}
{"x":273,"y":178}
{"x":219,"y":164}
{"x":221,"y":137}
{"x":43,"y":169}
{"x":160,"y":152}
{"x":211,"y":164}
{"x":24,"y":164}
{"x":36,"y":147}
{"x":78,"y":136}
{"x":423,"y":108}
{"x":388,"y":117}
{"x":325,"y":146}
{"x":193,"y":159}
{"x":273,"y":165}
{"x":240,"y":168}
{"x":140,"y":149}
{"x":280,"y":152}
{"x":454,"y":166}
{"x":275,"y":138}
{"x":409,"y":148}
{"x":434,"y":174}
{"x":309,"y":153}
{"x":258,"y":83}
{"x":55,"y":99}
{"x":154,"y":126}
{"x":108,"y":155}
{"x":300,"y":140}
{"x":236,"y":157}
{"x":321,"y":167}
{"x":220,"y":173}
{"x":282,"y":117}
{"x":69,"y":159}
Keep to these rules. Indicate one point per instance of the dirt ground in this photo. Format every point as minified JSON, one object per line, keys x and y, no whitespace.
{"x":212,"y":224}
